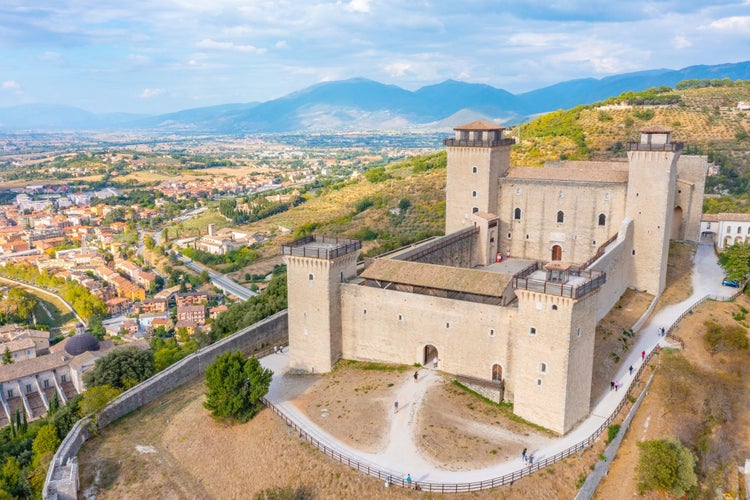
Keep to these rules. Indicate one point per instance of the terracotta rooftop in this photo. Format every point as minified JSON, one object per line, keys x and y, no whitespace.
{"x":439,"y":277}
{"x":734,"y":217}
{"x":480,"y":125}
{"x":569,"y":173}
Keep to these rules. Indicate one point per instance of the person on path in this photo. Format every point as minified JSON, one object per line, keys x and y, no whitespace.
{"x":416,"y":376}
{"x":617,"y":385}
{"x":643,"y":355}
{"x":408,"y":480}
{"x":531,"y":459}
{"x":523,"y":455}
{"x":434,"y":362}
{"x":612,"y":385}
{"x":631,"y":369}
{"x":395,"y":407}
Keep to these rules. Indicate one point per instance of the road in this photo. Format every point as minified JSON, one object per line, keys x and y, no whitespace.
{"x":226,"y":284}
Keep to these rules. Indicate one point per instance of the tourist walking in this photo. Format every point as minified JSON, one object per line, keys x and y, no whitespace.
{"x":416,"y":376}
{"x":523,"y":455}
{"x":643,"y":355}
{"x":395,"y":407}
{"x":631,"y":369}
{"x":408,"y":480}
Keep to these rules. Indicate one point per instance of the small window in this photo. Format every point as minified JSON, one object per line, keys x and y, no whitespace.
{"x":560,"y":216}
{"x":46,"y":383}
{"x":554,"y":307}
{"x":578,"y":331}
{"x":729,"y":229}
{"x":517,"y":214}
{"x":532,"y":331}
{"x":10,"y":393}
{"x":527,"y":236}
{"x":518,"y":191}
{"x":310,"y":277}
{"x":633,"y":252}
{"x":64,"y":378}
{"x":492,"y":332}
{"x":473,"y":194}
{"x":447,"y":326}
{"x":739,"y":230}
{"x":364,"y":311}
{"x":602,"y":219}
{"x":509,"y":235}
{"x":562,"y":195}
{"x":400,"y":317}
{"x":539,"y":382}
{"x":474,"y":210}
{"x":474,"y":170}
{"x":28,"y":388}
{"x":679,"y":191}
{"x":28,"y":352}
{"x":593,"y":243}
{"x":542,"y":367}
{"x":606,"y":196}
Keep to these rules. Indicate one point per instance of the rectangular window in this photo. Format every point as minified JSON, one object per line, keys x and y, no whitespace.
{"x":532,"y":331}
{"x":310,"y":277}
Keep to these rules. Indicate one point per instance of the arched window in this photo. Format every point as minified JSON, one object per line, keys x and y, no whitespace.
{"x":474,"y":210}
{"x":497,"y":373}
{"x":560,"y":216}
{"x":473,"y":194}
{"x":729,"y":229}
{"x":602,"y":219}
{"x":739,"y":229}
{"x":517,"y":214}
{"x":474,"y":170}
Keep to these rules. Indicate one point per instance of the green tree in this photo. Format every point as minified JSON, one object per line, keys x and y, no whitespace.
{"x":235,"y":385}
{"x":736,"y":261}
{"x":121,"y":369}
{"x":96,"y":328}
{"x":665,"y":465}
{"x":96,"y":398}
{"x":148,"y":242}
{"x":45,"y":442}
{"x":7,"y":356}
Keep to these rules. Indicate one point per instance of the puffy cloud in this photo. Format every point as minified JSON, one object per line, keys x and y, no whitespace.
{"x":680,"y":42}
{"x":11,"y":85}
{"x":732,"y":23}
{"x":149,"y":93}
{"x":208,"y":43}
{"x":358,"y":6}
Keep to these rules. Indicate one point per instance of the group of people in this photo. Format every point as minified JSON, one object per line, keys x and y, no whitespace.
{"x":278,"y":349}
{"x":527,"y":458}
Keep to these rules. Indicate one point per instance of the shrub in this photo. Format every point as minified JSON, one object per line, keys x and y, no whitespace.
{"x":612,"y":432}
{"x":665,"y":465}
{"x":728,"y":338}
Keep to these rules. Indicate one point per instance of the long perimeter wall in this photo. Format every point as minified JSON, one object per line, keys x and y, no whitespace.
{"x":62,"y":477}
{"x":617,"y":262}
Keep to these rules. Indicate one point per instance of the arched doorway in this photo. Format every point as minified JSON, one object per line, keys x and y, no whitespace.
{"x":430,"y":355}
{"x":557,"y":252}
{"x":677,"y":224}
{"x":497,"y":373}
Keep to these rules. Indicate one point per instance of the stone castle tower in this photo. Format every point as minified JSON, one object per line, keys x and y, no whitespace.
{"x":650,"y":201}
{"x":477,"y":157}
{"x":316,"y":267}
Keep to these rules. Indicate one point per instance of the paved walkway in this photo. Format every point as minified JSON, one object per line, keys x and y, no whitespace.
{"x":402,"y":456}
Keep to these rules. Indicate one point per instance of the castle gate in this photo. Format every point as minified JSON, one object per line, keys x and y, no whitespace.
{"x":430,"y":354}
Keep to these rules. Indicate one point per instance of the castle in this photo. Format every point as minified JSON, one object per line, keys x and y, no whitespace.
{"x":532,"y":259}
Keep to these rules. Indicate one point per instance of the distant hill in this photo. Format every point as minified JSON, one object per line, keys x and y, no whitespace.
{"x":361,"y":104}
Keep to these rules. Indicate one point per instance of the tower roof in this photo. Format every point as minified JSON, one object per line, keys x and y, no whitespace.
{"x":480,"y":125}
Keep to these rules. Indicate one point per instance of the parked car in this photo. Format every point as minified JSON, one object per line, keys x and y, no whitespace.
{"x":732,"y":283}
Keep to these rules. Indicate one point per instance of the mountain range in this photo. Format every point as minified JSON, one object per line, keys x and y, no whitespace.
{"x":361,"y":104}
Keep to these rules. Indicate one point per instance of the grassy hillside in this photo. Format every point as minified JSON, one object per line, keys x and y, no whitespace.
{"x":704,"y":118}
{"x":387,"y":208}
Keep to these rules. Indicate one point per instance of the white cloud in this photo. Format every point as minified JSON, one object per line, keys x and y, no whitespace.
{"x":281,"y":44}
{"x":680,"y":42}
{"x":139,"y":58}
{"x":358,"y":6}
{"x":208,"y":43}
{"x":733,"y":23}
{"x":53,"y":57}
{"x":149,"y":93}
{"x":398,"y":68}
{"x":11,"y":85}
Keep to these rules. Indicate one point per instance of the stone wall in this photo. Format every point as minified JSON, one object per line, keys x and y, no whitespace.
{"x":617,"y":262}
{"x":272,"y":330}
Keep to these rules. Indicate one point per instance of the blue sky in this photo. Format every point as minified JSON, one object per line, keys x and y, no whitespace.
{"x":155,"y":56}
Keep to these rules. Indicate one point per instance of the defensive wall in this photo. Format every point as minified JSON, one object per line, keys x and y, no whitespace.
{"x":62,"y":477}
